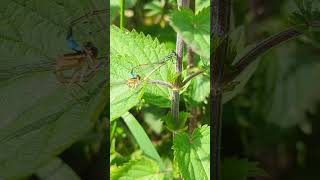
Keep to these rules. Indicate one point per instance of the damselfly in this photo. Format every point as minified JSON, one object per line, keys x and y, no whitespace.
{"x":142,"y":72}
{"x":76,"y":67}
{"x":159,"y":62}
{"x":80,"y":66}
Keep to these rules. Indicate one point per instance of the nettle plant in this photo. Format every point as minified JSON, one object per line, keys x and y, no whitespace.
{"x":50,"y":97}
{"x":145,"y":72}
{"x":234,"y":62}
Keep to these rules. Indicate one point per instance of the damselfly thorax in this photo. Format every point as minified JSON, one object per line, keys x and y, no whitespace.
{"x":134,"y":81}
{"x":79,"y":66}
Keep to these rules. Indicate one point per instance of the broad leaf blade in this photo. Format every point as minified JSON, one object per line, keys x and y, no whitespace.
{"x":194,"y":29}
{"x":41,"y":117}
{"x":130,"y":49}
{"x":193,"y":153}
{"x":142,"y":169}
{"x":44,"y":130}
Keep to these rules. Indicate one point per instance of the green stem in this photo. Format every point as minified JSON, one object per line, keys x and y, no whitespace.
{"x":122,"y":8}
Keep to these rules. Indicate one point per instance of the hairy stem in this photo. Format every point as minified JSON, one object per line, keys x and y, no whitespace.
{"x":190,"y":77}
{"x":190,"y":61}
{"x":263,"y":47}
{"x":161,"y":83}
{"x":220,"y":20}
{"x":92,"y":13}
{"x":179,"y":51}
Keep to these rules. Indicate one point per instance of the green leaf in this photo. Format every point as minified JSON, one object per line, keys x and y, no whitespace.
{"x":44,"y":130}
{"x":183,"y":117}
{"x":194,"y":29}
{"x":169,"y":122}
{"x":201,"y":4}
{"x":41,"y":117}
{"x":174,"y":126}
{"x":193,"y":153}
{"x":198,"y":91}
{"x":235,"y":169}
{"x":56,"y":169}
{"x":142,"y":169}
{"x":142,"y":139}
{"x":122,"y":97}
{"x":128,"y":50}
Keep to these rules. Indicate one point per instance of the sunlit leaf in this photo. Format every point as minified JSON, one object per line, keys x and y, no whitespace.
{"x":192,"y":153}
{"x":141,"y":169}
{"x":194,"y":29}
{"x":128,"y":50}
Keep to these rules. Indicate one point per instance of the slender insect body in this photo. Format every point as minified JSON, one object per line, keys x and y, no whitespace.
{"x":78,"y":66}
{"x":134,"y":82}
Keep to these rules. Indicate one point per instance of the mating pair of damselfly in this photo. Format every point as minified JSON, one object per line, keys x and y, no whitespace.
{"x":135,"y":78}
{"x":69,"y":68}
{"x":42,"y":80}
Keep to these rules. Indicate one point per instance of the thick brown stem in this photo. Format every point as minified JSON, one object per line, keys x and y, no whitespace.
{"x":220,"y":19}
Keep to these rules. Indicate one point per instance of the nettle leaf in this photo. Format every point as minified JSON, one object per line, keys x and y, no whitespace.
{"x":40,"y":117}
{"x":141,"y":169}
{"x":194,"y":29}
{"x":122,"y":98}
{"x":44,"y":130}
{"x":236,"y":169}
{"x":172,"y":125}
{"x":192,"y":153}
{"x":128,"y":50}
{"x":198,"y":90}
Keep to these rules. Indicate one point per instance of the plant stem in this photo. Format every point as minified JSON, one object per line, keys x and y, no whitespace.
{"x":122,"y":8}
{"x":190,"y":77}
{"x":263,"y":47}
{"x":190,"y":53}
{"x":190,"y":61}
{"x":179,"y":51}
{"x":220,"y":20}
{"x":92,"y":13}
{"x":162,"y":83}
